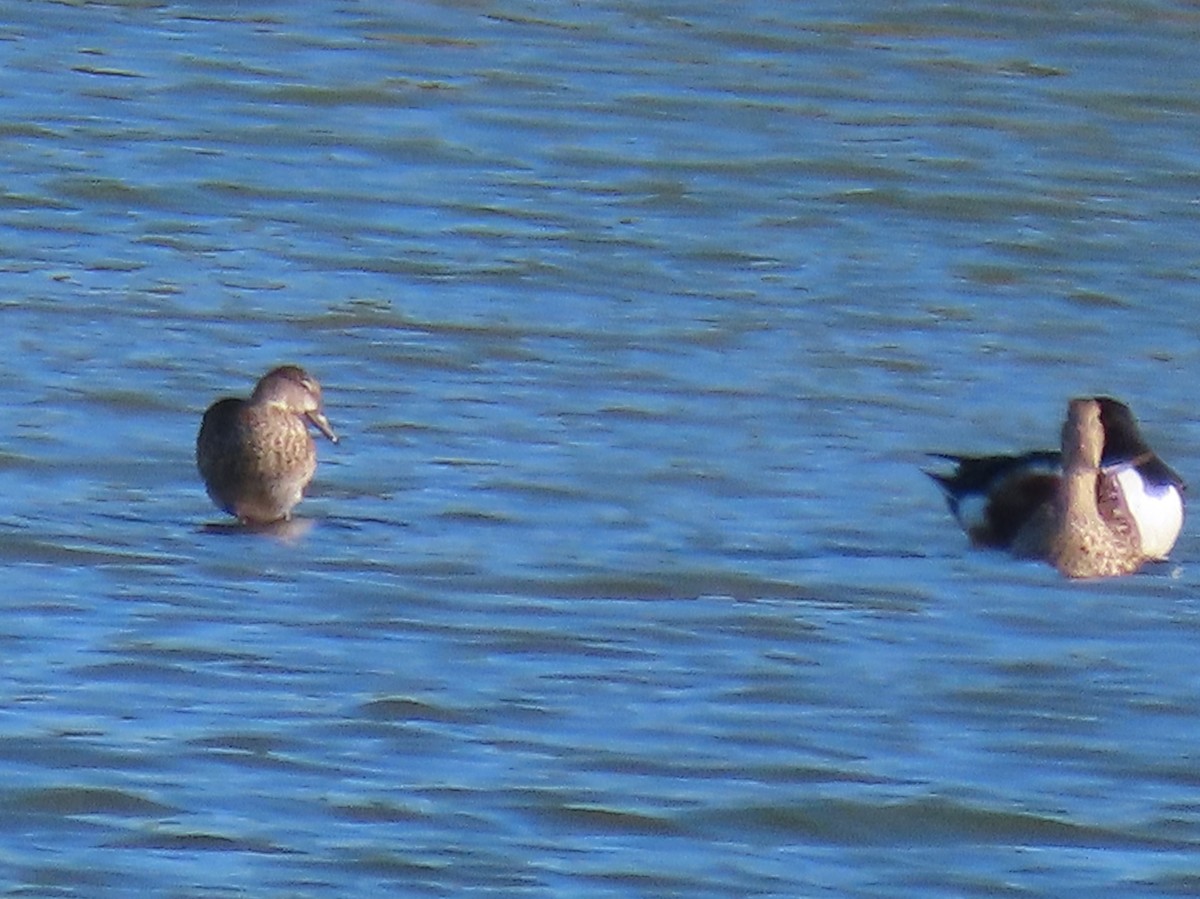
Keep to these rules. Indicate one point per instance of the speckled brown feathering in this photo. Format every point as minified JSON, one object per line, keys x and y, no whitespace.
{"x":1093,"y":534}
{"x":256,"y":456}
{"x":1087,"y":530}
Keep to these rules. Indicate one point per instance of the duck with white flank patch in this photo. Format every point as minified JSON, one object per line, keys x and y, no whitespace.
{"x":1008,"y":501}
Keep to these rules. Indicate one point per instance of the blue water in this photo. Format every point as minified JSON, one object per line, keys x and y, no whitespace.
{"x":637,"y":321}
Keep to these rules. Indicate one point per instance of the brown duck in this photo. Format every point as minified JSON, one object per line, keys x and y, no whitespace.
{"x":256,"y":456}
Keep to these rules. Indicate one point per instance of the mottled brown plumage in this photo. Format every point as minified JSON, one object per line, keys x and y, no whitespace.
{"x":256,"y":456}
{"x":1087,"y":531}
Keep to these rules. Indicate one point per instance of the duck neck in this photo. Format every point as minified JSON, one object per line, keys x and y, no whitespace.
{"x":1082,"y":449}
{"x":1078,"y":497}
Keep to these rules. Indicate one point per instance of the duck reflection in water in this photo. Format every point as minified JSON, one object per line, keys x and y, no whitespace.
{"x":1101,"y":507}
{"x":256,"y":455}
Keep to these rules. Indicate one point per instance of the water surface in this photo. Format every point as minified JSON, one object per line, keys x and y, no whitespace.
{"x":637,"y":320}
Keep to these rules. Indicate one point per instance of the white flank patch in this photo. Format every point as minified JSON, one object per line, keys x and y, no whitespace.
{"x":1158,"y":512}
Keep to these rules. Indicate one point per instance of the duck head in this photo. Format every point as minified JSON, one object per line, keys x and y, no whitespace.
{"x":293,"y":390}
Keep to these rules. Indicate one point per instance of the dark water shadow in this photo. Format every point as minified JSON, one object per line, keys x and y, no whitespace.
{"x":289,"y":530}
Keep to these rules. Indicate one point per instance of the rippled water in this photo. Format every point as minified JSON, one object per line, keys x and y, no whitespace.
{"x":637,"y":320}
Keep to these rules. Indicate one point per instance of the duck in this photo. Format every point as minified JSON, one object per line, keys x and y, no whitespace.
{"x":256,"y":456}
{"x":1006,"y":501}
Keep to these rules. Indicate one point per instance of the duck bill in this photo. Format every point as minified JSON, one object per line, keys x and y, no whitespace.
{"x":322,"y":425}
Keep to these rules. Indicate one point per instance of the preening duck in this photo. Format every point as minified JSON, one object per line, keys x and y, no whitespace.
{"x":1009,"y":502}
